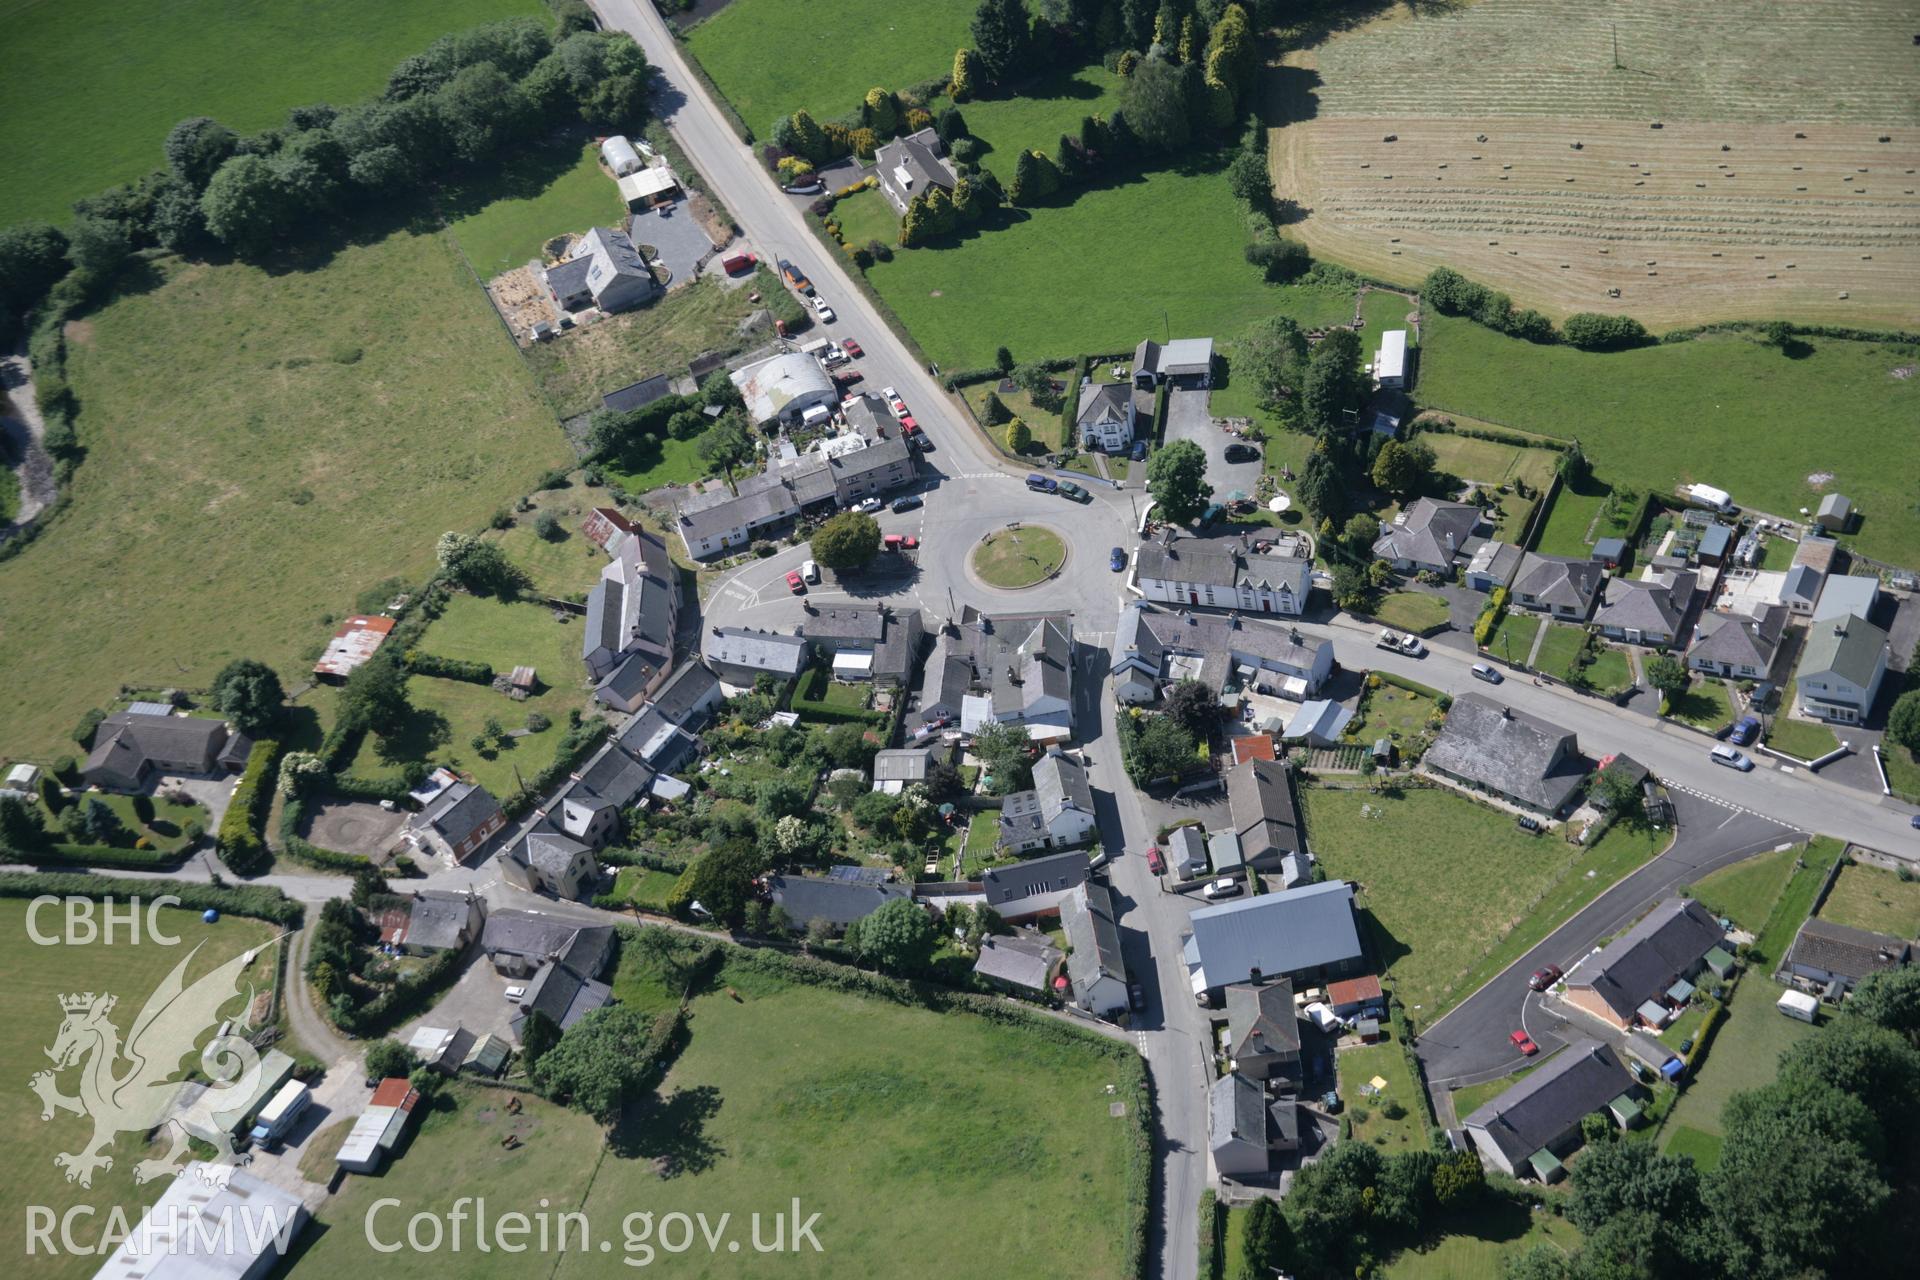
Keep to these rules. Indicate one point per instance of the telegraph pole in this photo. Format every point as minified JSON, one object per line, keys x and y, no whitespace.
{"x":1615,"y":29}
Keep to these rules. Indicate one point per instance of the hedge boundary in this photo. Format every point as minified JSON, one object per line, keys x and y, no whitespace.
{"x":242,"y":844}
{"x":255,"y":902}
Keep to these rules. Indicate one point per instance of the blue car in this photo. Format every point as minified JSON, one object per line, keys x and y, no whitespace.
{"x":1117,"y":561}
{"x":1744,"y":731}
{"x":1139,"y":450}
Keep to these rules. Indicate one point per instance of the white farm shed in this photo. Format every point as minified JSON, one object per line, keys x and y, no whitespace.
{"x":1390,"y":362}
{"x":619,"y":156}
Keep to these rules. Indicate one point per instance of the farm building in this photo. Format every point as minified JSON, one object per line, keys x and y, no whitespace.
{"x":212,"y":1221}
{"x":781,"y":388}
{"x":380,"y":1127}
{"x":637,"y":395}
{"x":1390,"y":361}
{"x":1183,"y":362}
{"x":351,"y":645}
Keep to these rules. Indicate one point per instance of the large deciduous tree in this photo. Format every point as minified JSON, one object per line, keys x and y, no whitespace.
{"x":847,"y":541}
{"x":248,"y":693}
{"x":899,"y":937}
{"x":599,"y":1062}
{"x":1334,"y":382}
{"x":1157,"y":100}
{"x":1177,"y":479}
{"x":1274,"y":356}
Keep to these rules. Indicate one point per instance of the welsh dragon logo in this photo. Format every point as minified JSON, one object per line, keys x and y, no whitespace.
{"x":130,"y":1087}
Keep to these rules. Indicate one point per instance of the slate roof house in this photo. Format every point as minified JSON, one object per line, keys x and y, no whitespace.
{"x":1056,"y":813}
{"x":741,"y":655}
{"x":1225,"y":573}
{"x":661,"y":735}
{"x":1260,"y":798}
{"x":1023,"y":891}
{"x":441,"y":922}
{"x":1184,"y":361}
{"x":1018,"y":669}
{"x":718,"y":519}
{"x":1154,"y":647}
{"x":463,"y":817}
{"x":1835,"y":957}
{"x":1094,"y":965}
{"x":633,"y":613}
{"x":1528,"y":1127}
{"x":1736,"y":645}
{"x":1491,"y":565}
{"x":1019,"y":962}
{"x":549,"y":862}
{"x":910,"y":166}
{"x":1105,"y":419}
{"x":1490,"y":747}
{"x":1244,"y":1128}
{"x":1668,"y":945}
{"x":129,"y":747}
{"x":1429,"y":535}
{"x":1842,"y":664}
{"x":866,"y":641}
{"x":1564,"y":586}
{"x":1640,"y":611}
{"x":605,"y":271}
{"x":1263,"y":1030}
{"x":1307,"y":935}
{"x":837,"y":903}
{"x":565,"y":961}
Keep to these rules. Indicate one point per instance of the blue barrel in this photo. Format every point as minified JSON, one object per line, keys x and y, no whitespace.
{"x":209,"y":916}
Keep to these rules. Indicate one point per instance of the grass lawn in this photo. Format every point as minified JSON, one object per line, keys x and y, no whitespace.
{"x":1470,"y":1099}
{"x":1393,"y":712}
{"x":548,"y":190}
{"x":866,"y":217}
{"x":507,"y":635}
{"x":674,"y":462}
{"x":838,"y":694}
{"x":645,"y":886}
{"x":1704,"y":705}
{"x":1903,"y":772}
{"x":1610,"y":670}
{"x":1379,"y":312}
{"x":1745,"y":892}
{"x":996,"y":1142}
{"x":1746,"y":407}
{"x":1054,"y":280}
{"x":1869,"y":898}
{"x":1776,"y":554}
{"x":264,"y":437}
{"x":1049,"y":429}
{"x":1478,"y":1244}
{"x":1684,"y":1027}
{"x":1361,"y":1064}
{"x":983,"y":832}
{"x":29,"y":1003}
{"x":579,"y":367}
{"x":243,"y":63}
{"x":455,"y":1151}
{"x":1796,"y":900}
{"x":1746,"y":1047}
{"x":1413,"y":611}
{"x":772,"y":57}
{"x":566,"y":564}
{"x":1513,"y":638}
{"x":1492,"y":464}
{"x":166,"y":829}
{"x":1443,"y":879}
{"x":1045,"y":107}
{"x":1013,"y":558}
{"x":1558,"y":650}
{"x":1807,"y":739}
{"x":1573,"y":515}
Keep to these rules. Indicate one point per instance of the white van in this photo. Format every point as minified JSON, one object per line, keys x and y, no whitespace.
{"x":1732,"y":759}
{"x":810,"y":571}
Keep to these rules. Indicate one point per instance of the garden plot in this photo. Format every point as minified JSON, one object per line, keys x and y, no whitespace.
{"x":1549,"y":181}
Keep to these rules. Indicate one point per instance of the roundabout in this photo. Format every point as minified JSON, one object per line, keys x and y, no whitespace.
{"x":1018,"y":556}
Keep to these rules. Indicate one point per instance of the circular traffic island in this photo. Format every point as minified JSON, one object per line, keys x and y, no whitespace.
{"x":1022,"y":555}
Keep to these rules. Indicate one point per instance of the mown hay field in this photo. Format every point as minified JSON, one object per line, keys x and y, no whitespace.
{"x":1487,"y":104}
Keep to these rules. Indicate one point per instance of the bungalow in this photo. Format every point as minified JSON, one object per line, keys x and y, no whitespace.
{"x":1153,"y":648}
{"x":834,"y":903}
{"x":1260,"y":799}
{"x":1646,"y":611}
{"x":1105,"y":419}
{"x":1563,"y":586}
{"x":1527,"y":1128}
{"x":1223,"y":573}
{"x":1183,"y":362}
{"x":1307,"y":935}
{"x":1428,"y":537}
{"x":783,"y":387}
{"x":1737,"y":645}
{"x":1842,"y":664}
{"x":1263,"y":1030}
{"x":131,"y":746}
{"x":1667,"y":946}
{"x":1489,"y":747}
{"x":1094,"y":965}
{"x":605,"y":271}
{"x":912,"y":165}
{"x":1056,"y":814}
{"x":1835,"y":957}
{"x":1023,"y":962}
{"x":633,"y":615}
{"x":741,"y":655}
{"x":549,"y":862}
{"x":439,"y":921}
{"x":462,"y":818}
{"x":1024,"y":891}
{"x":1245,"y":1127}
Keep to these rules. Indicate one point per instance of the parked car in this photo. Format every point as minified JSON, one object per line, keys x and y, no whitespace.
{"x":907,"y":502}
{"x":1545,"y":976}
{"x":1225,"y":887}
{"x":852,"y":348}
{"x":1524,"y":1043}
{"x":813,"y":188}
{"x":846,"y":378}
{"x":1400,"y":642}
{"x":1745,"y":730}
{"x":1042,"y":484}
{"x":1068,"y":489}
{"x":908,"y":426}
{"x":1156,"y":861}
{"x":1732,"y":759}
{"x":824,"y":311}
{"x":1139,"y":450}
{"x":1914,"y":822}
{"x":738,"y":263}
{"x":795,"y":584}
{"x":1117,"y":560}
{"x":1242,"y":453}
{"x":1481,"y":671}
{"x":1137,"y":997}
{"x":810,"y":571}
{"x":796,"y":278}
{"x":515,"y":994}
{"x":867,"y":506}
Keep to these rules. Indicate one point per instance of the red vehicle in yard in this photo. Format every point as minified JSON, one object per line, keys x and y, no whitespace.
{"x":738,"y":263}
{"x":851,"y":347}
{"x":847,"y":377}
{"x":1524,"y":1043}
{"x":1156,"y":861}
{"x":795,"y":583}
{"x":1544,"y":977}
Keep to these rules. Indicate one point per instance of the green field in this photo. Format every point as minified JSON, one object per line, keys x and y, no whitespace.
{"x":1869,"y":898}
{"x":645,"y":887}
{"x":995,"y":1143}
{"x":259,"y":444}
{"x":548,"y":191}
{"x":1746,"y":1046}
{"x":1745,"y":410}
{"x":1488,"y":461}
{"x":1745,"y":892}
{"x":866,"y":216}
{"x":1477,"y":1245}
{"x":1359,"y":1065}
{"x":1047,"y":106}
{"x":772,"y":57}
{"x":1573,"y":516}
{"x":1444,"y":880}
{"x":566,"y":564}
{"x":1069,"y":278}
{"x":152,"y":63}
{"x":29,"y":1003}
{"x":1796,"y":900}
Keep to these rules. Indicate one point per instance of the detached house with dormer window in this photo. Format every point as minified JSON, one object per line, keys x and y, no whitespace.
{"x":1841,"y":667}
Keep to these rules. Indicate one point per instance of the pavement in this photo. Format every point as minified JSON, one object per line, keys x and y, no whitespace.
{"x":1188,"y":418}
{"x":674,"y":232}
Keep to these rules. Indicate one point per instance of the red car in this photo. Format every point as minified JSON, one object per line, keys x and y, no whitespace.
{"x":1156,"y":863}
{"x":737,"y":263}
{"x":1544,"y":977}
{"x":795,"y":583}
{"x":848,"y":377}
{"x":1524,"y":1043}
{"x":851,"y":347}
{"x":907,"y":425}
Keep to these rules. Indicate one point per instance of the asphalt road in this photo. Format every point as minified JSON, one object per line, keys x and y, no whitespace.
{"x":1470,"y":1044}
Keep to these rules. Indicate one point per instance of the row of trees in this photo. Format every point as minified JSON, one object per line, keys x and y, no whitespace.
{"x":1452,"y":294}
